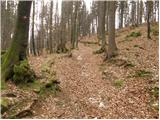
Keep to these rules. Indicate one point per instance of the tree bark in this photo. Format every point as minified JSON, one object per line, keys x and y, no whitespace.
{"x":17,"y":50}
{"x":148,"y":19}
{"x":101,"y":23}
{"x":121,"y":11}
{"x":50,"y":28}
{"x":141,"y":12}
{"x":112,"y":47}
{"x":33,"y":40}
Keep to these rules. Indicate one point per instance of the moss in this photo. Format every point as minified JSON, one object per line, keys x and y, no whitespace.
{"x":4,"y":101}
{"x":118,"y":83}
{"x":4,"y":104}
{"x":23,"y":73}
{"x":134,"y":34}
{"x":155,"y":31}
{"x":50,"y":87}
{"x":155,"y":91}
{"x":35,"y":86}
{"x":140,"y":73}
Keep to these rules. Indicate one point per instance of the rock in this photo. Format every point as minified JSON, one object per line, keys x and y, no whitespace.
{"x":79,"y":58}
{"x":20,"y":110}
{"x":5,"y":103}
{"x":101,"y":105}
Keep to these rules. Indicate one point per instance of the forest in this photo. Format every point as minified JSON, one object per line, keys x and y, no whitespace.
{"x":79,"y":59}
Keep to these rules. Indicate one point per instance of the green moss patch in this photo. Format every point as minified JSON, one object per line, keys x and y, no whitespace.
{"x":23,"y":73}
{"x":117,"y":83}
{"x":134,"y":34}
{"x":50,"y":87}
{"x":155,"y":91}
{"x":141,"y":73}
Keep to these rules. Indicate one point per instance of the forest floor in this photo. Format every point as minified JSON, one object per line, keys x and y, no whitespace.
{"x":123,"y":87}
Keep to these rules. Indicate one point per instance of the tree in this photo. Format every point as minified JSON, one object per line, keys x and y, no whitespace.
{"x":138,"y":13}
{"x":33,"y":40}
{"x":62,"y":43}
{"x":121,"y":12}
{"x":133,"y":13}
{"x":17,"y":50}
{"x":50,"y":28}
{"x":74,"y":24}
{"x":141,"y":12}
{"x":149,"y":4}
{"x":8,"y":13}
{"x":112,"y":48}
{"x":101,"y":24}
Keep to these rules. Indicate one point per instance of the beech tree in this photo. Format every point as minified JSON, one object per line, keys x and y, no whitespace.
{"x":121,"y":12}
{"x":112,"y":47}
{"x":101,"y":24}
{"x":148,"y":7}
{"x":33,"y":50}
{"x":17,"y":51}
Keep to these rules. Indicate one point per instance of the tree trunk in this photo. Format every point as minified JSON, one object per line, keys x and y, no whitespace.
{"x":121,"y":11}
{"x":138,"y":13}
{"x":106,"y":21}
{"x":50,"y":28}
{"x":101,"y":23}
{"x":17,"y":50}
{"x":148,"y":19}
{"x":33,"y":40}
{"x":112,"y":48}
{"x":141,"y":12}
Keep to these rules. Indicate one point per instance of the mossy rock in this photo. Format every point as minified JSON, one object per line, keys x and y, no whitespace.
{"x":23,"y":73}
{"x":51,"y":86}
{"x":35,"y":86}
{"x":4,"y":104}
{"x":134,"y":34}
{"x":20,"y":110}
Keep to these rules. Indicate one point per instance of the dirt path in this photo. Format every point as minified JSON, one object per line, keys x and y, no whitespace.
{"x":86,"y":95}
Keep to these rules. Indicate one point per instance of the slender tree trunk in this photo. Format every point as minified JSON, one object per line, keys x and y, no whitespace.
{"x":101,"y":23}
{"x":121,"y":11}
{"x":50,"y":28}
{"x":141,"y":12}
{"x":148,"y":19}
{"x":138,"y":13}
{"x":33,"y":40}
{"x":17,"y":50}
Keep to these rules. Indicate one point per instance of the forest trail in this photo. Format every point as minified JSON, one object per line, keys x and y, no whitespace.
{"x":82,"y":86}
{"x":85,"y":94}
